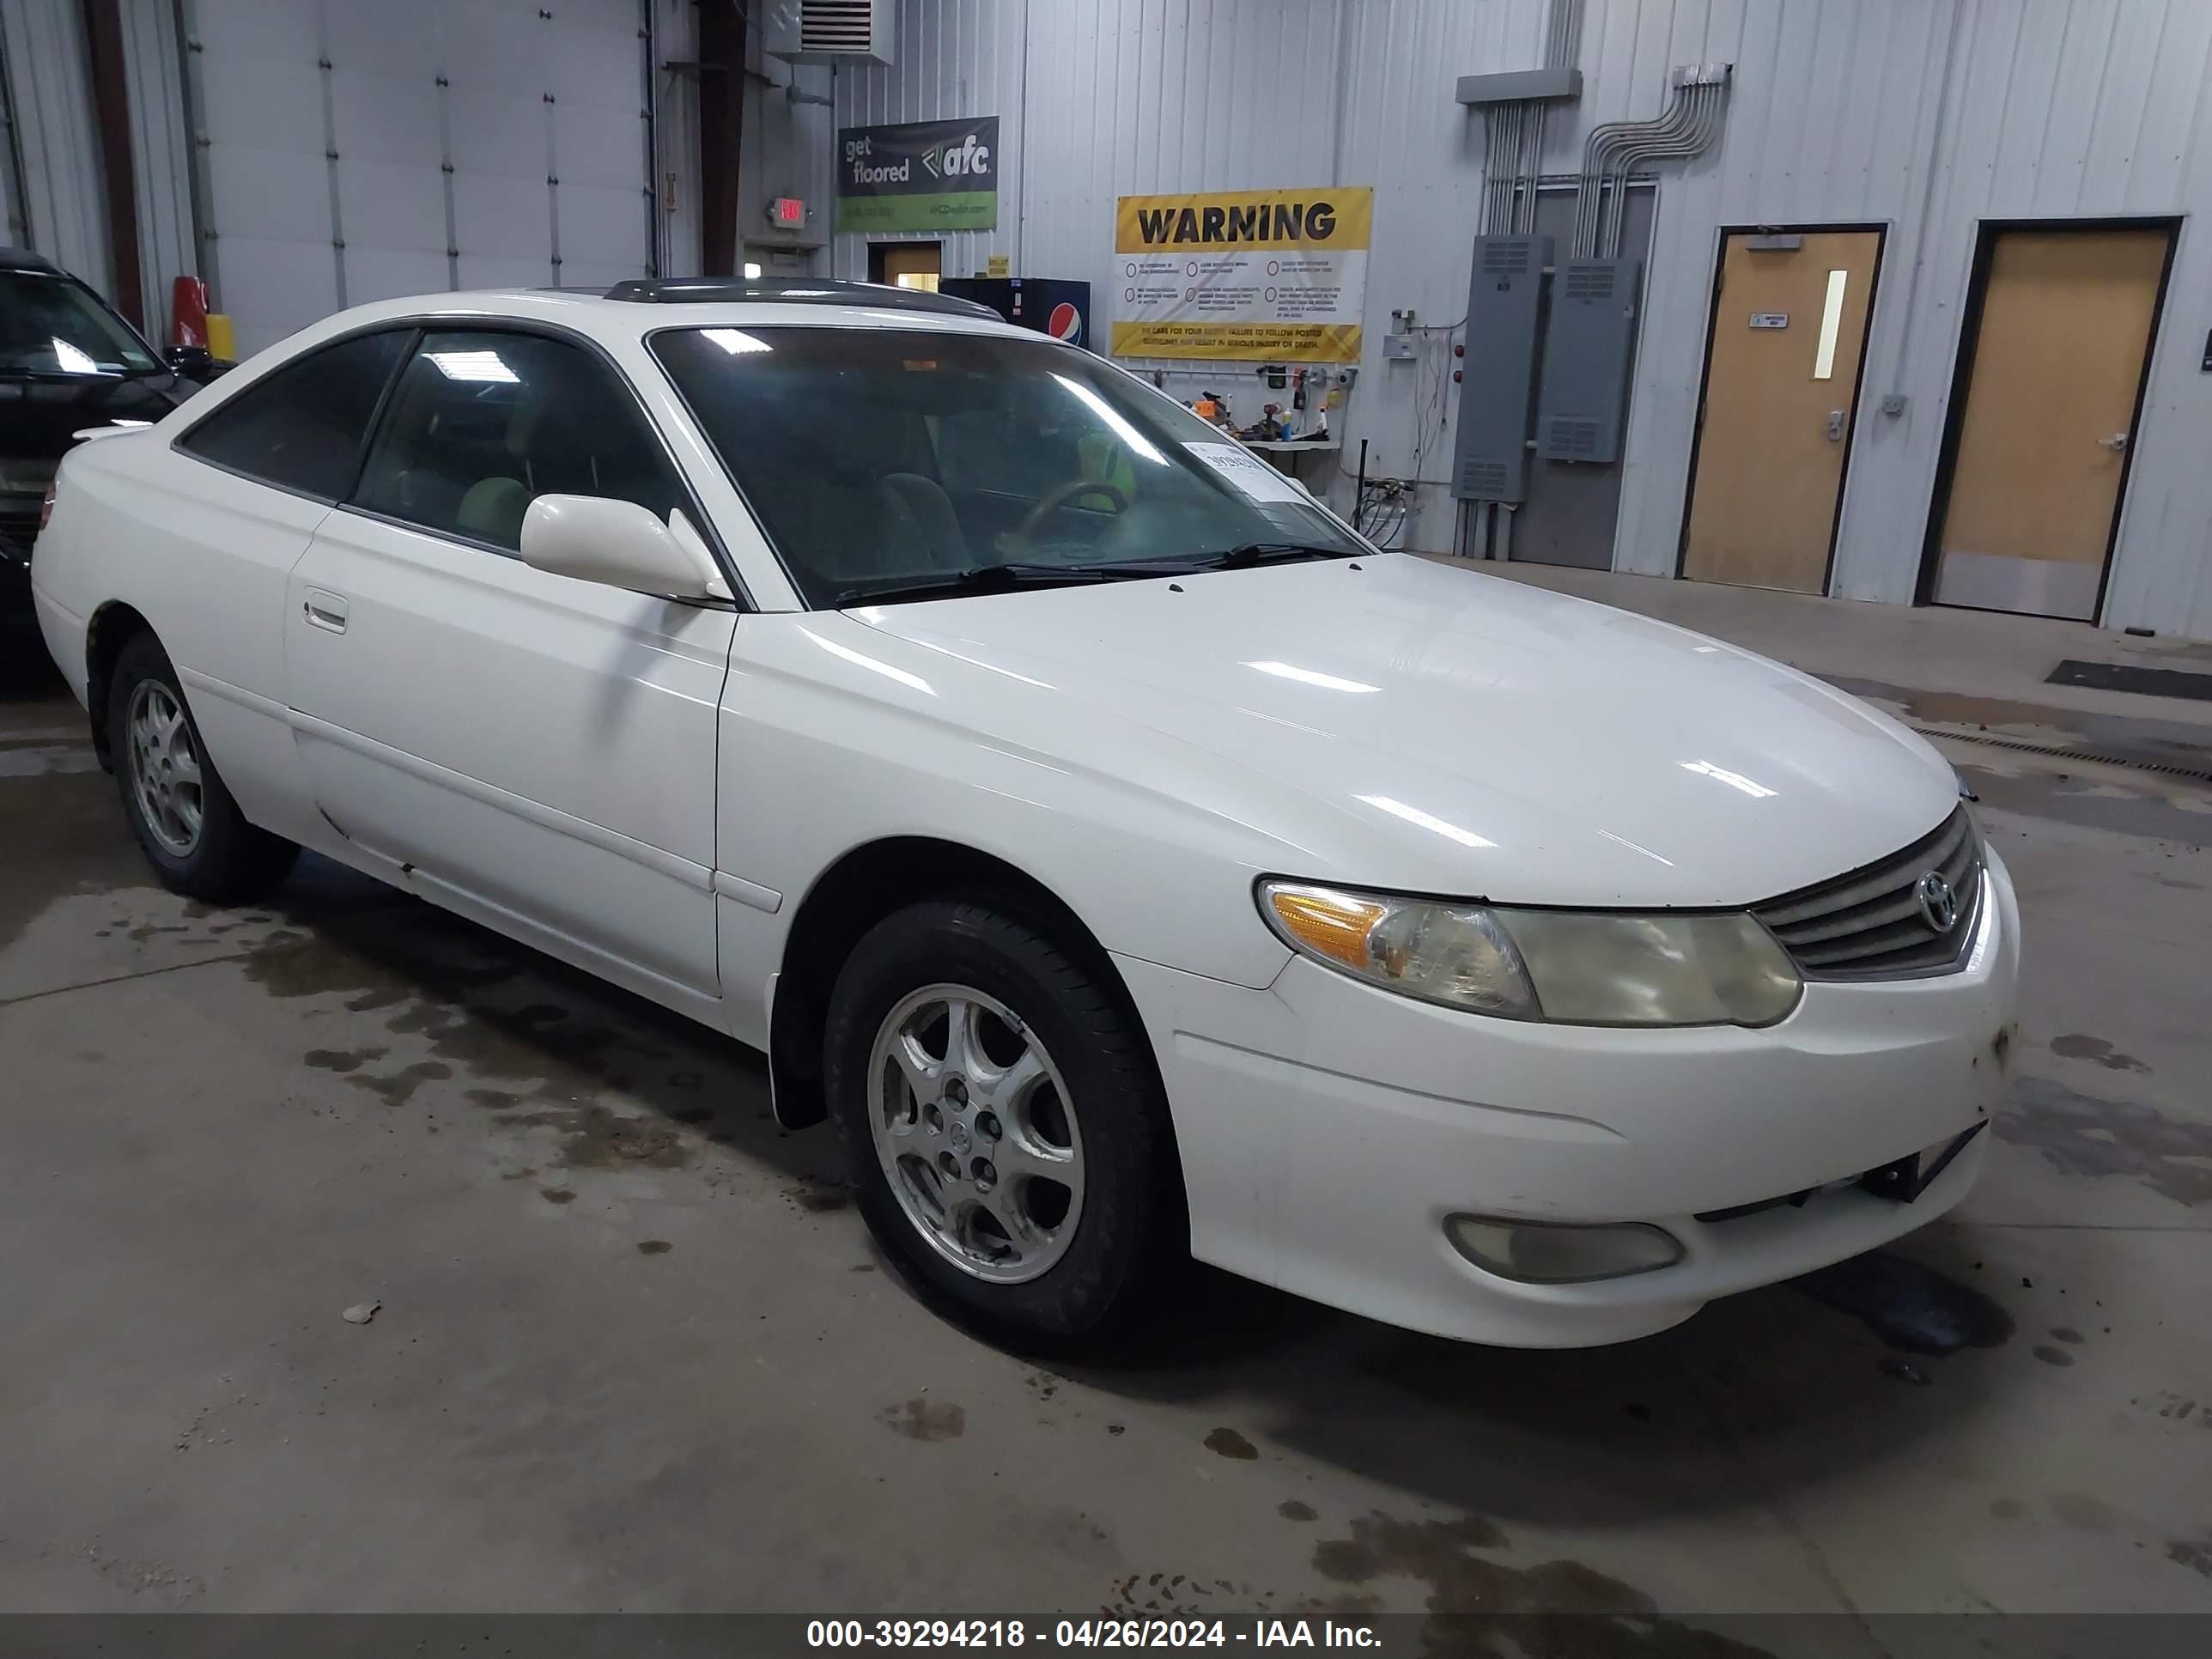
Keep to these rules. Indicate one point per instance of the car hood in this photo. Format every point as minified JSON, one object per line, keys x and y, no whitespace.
{"x":1455,"y":732}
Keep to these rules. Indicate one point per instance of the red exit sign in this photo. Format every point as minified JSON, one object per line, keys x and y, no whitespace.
{"x":788,"y":211}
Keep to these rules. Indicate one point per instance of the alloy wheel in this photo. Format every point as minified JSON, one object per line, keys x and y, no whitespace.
{"x":165,"y":769}
{"x":975,"y":1132}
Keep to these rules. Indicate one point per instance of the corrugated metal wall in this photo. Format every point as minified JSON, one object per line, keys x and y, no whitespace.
{"x":1921,"y":116}
{"x":153,"y":67}
{"x":15,"y":229}
{"x":49,"y":85}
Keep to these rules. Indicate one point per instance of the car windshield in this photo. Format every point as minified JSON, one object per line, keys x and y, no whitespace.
{"x":896,"y":462}
{"x":53,"y":325}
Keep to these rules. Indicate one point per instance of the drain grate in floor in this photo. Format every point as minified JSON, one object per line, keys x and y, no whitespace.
{"x":2066,"y":751}
{"x":2116,"y":677}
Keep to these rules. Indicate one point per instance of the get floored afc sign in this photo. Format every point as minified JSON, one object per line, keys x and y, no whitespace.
{"x":920,"y":175}
{"x":1272,"y":275}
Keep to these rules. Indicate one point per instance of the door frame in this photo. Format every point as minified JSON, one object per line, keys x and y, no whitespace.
{"x":1721,"y":234}
{"x":879,"y":253}
{"x":1986,"y":236}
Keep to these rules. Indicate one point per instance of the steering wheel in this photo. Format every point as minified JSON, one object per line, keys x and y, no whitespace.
{"x":1059,"y":495}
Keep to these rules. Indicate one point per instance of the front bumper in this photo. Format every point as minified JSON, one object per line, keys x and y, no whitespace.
{"x":1327,"y":1129}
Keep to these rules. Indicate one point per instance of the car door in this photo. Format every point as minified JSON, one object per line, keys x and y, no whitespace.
{"x":533,"y":750}
{"x":229,"y":505}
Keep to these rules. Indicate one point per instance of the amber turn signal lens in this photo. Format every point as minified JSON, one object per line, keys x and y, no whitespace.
{"x":1332,"y":925}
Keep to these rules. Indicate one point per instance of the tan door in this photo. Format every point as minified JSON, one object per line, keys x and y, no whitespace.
{"x":1788,"y":335}
{"x":2066,"y":324}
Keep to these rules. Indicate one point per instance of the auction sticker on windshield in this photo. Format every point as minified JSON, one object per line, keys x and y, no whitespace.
{"x":1250,"y":475}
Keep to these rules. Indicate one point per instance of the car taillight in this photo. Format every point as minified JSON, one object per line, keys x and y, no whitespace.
{"x":46,"y":506}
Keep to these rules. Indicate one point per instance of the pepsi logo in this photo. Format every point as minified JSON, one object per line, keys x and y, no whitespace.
{"x":1065,"y":323}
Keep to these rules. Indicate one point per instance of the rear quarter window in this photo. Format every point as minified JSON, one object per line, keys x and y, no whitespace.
{"x":302,"y":426}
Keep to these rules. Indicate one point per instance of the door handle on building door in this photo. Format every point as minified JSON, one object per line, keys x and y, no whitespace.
{"x":2116,"y":443}
{"x":1835,"y":426}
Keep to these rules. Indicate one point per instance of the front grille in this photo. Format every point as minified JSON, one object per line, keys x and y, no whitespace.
{"x":1869,"y":924}
{"x":17,"y":531}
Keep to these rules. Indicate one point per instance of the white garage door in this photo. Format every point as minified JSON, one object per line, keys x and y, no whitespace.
{"x":359,"y":149}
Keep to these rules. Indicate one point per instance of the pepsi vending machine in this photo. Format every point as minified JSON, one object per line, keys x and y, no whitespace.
{"x":1047,"y":304}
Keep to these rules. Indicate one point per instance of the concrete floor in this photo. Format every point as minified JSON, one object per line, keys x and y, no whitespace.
{"x":634,"y":1351}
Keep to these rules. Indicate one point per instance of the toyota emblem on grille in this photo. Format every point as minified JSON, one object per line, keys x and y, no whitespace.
{"x":1937,"y":902}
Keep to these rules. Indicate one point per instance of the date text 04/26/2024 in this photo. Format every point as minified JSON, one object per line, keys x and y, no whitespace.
{"x":1065,"y":1633}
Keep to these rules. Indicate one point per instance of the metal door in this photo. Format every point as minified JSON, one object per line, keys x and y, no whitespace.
{"x":2057,"y":369}
{"x":1782,"y":381}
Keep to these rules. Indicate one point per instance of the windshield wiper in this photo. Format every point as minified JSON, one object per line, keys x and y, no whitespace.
{"x":1008,"y":578}
{"x":1252,"y":553}
{"x":977,"y":579}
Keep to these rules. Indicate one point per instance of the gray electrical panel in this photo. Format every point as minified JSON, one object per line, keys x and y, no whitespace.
{"x":1491,"y":460}
{"x":1583,"y":404}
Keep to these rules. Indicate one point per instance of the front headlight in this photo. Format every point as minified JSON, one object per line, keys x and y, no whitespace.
{"x":1576,"y":968}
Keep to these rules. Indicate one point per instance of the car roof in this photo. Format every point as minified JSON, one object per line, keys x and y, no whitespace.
{"x":791,"y":291}
{"x":631,"y":310}
{"x":21,"y":258}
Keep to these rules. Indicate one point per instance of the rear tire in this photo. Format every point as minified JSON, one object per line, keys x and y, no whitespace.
{"x":1030,"y":1188}
{"x":188,"y":825}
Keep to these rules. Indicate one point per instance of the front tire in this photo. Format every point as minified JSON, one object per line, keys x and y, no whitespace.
{"x":1002,"y":1124}
{"x":188,"y":825}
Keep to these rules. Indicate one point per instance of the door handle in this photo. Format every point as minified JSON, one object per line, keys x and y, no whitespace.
{"x":325,"y":610}
{"x":2116,"y":443}
{"x":1835,"y":426}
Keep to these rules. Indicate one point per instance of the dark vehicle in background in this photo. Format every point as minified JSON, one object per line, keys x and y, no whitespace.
{"x":67,"y":363}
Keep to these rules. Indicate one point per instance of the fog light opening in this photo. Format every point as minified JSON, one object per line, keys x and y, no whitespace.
{"x":1561,"y":1253}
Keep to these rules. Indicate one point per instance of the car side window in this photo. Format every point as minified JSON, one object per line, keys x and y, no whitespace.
{"x":483,"y":422}
{"x":302,"y":426}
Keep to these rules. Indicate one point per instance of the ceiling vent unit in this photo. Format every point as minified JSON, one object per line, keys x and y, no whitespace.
{"x":829,"y":31}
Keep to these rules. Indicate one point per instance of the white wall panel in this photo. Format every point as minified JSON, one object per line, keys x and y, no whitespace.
{"x":49,"y":90}
{"x":161,"y":156}
{"x":676,"y":136}
{"x":424,"y":156}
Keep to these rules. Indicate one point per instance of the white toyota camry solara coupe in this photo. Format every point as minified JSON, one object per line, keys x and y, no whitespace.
{"x":1131,"y":862}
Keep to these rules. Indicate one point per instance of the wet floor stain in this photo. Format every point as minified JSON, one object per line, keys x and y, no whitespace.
{"x":65,"y":834}
{"x":2050,"y":1356}
{"x":654,"y":1247}
{"x":2066,"y":1333}
{"x":2080,"y":1046}
{"x":2082,"y":1512}
{"x":594,"y":1137}
{"x":2194,"y":1554}
{"x":2083,"y":1135}
{"x":1560,"y":1609}
{"x":341,"y":1059}
{"x":2173,"y":1407}
{"x":1227,"y":1442}
{"x":925,"y":1419}
{"x":1179,"y":1593}
{"x":557,"y":1195}
{"x":398,"y":1088}
{"x":818,"y":1198}
{"x":1291,"y":1509}
{"x":1909,"y":1305}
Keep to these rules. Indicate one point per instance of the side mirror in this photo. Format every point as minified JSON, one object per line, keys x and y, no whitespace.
{"x":617,"y":544}
{"x":194,"y":362}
